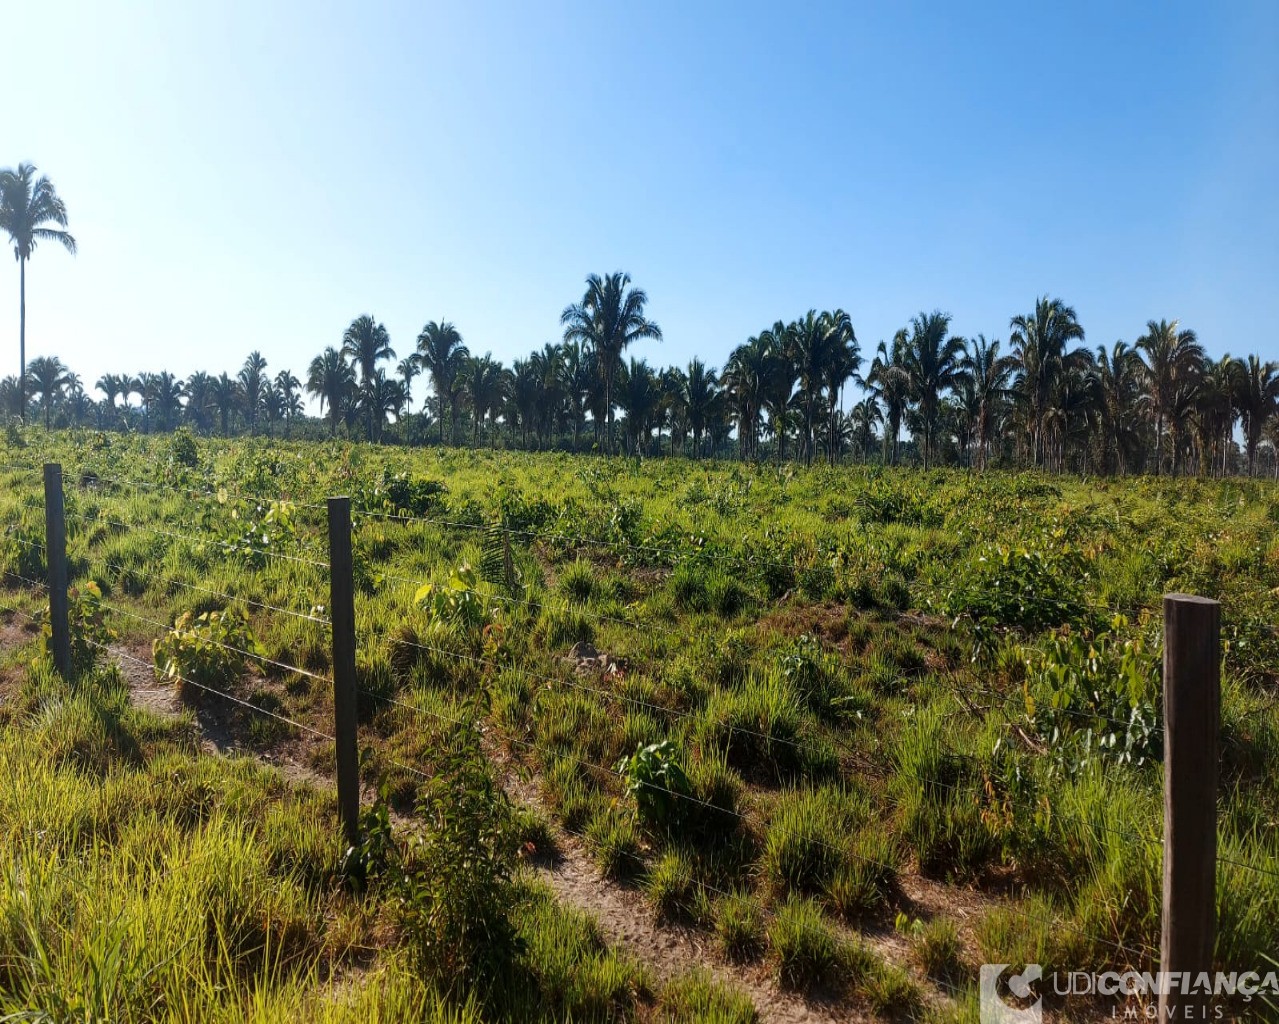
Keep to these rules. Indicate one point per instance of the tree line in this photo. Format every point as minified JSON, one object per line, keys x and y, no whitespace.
{"x":1045,"y":399}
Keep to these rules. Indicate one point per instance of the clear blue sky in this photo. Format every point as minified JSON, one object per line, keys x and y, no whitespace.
{"x":245,"y":175}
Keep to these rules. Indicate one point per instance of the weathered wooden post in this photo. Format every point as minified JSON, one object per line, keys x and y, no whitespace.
{"x":342,"y":619}
{"x":55,"y":551}
{"x":1192,"y":713}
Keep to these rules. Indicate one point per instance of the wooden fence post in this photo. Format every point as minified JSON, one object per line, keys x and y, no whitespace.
{"x":55,"y":550}
{"x":1192,"y":712}
{"x":342,"y":618}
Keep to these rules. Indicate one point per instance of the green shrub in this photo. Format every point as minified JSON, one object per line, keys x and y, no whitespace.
{"x":657,"y":783}
{"x":934,"y":946}
{"x":453,"y":879}
{"x":615,"y":845}
{"x":804,"y":948}
{"x":87,"y":624}
{"x":808,"y":837}
{"x":182,"y":449}
{"x":559,"y":628}
{"x":739,"y":926}
{"x":867,"y":880}
{"x":206,"y":650}
{"x":696,"y":998}
{"x":578,"y":581}
{"x":1030,"y":587}
{"x":669,"y":885}
{"x":689,"y":587}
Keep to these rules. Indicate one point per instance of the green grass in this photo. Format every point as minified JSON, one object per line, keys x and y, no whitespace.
{"x":832,"y":746}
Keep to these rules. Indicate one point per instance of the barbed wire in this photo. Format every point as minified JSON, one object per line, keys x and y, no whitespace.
{"x":231,"y":547}
{"x":220,"y":693}
{"x":262,"y":658}
{"x":218,"y":593}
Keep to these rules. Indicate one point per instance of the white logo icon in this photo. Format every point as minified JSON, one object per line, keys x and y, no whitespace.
{"x":1019,"y":1004}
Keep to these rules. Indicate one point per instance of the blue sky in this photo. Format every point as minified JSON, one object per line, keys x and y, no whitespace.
{"x":246,"y":175}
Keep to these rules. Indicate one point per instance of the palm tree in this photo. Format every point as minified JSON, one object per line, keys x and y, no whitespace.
{"x":809,"y":346}
{"x":1039,"y":342}
{"x":638,"y":393}
{"x":578,"y":372}
{"x":932,"y":364}
{"x":781,"y":377}
{"x":700,"y":395}
{"x":889,"y":382}
{"x":609,"y":318}
{"x":111,"y":385}
{"x":407,"y":369}
{"x":253,"y":385}
{"x":483,"y":387}
{"x":164,"y":394}
{"x":200,"y":403}
{"x":866,"y":415}
{"x":226,"y":395}
{"x":28,"y":206}
{"x":47,"y":377}
{"x":440,"y":349}
{"x":843,"y":360}
{"x":367,"y":343}
{"x":988,"y":374}
{"x":289,"y":390}
{"x":78,"y":403}
{"x":1172,"y":359}
{"x":1119,"y":372}
{"x":331,"y":379}
{"x":1257,"y":399}
{"x":745,"y":378}
{"x":1215,"y":411}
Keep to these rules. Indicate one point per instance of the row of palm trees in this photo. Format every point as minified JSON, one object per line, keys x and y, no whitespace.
{"x":1160,"y":404}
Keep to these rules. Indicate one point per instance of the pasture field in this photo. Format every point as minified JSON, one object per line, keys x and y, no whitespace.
{"x":858,"y":730}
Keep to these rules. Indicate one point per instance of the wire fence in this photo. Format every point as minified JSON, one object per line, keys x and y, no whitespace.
{"x":810,"y":749}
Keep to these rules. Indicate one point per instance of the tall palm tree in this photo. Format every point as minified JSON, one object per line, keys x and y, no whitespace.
{"x":843,"y":361}
{"x":200,"y":404}
{"x":226,"y":395}
{"x":811,"y":338}
{"x":331,"y":379}
{"x":866,"y":415}
{"x":1172,"y":358}
{"x":932,"y":364}
{"x":441,"y":351}
{"x":609,"y":318}
{"x":289,"y":390}
{"x":112,"y":385}
{"x":781,"y":378}
{"x":745,"y":378}
{"x":1257,"y":399}
{"x":989,"y":374}
{"x":483,"y":388}
{"x":701,"y":393}
{"x":78,"y":403}
{"x":1215,"y":411}
{"x":367,"y":343}
{"x":638,"y":394}
{"x":164,"y":394}
{"x":407,"y":370}
{"x":889,"y":382}
{"x":253,"y":385}
{"x":1040,"y":343}
{"x":1119,"y":381}
{"x":31,"y":211}
{"x":577,"y":373}
{"x":47,"y":378}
